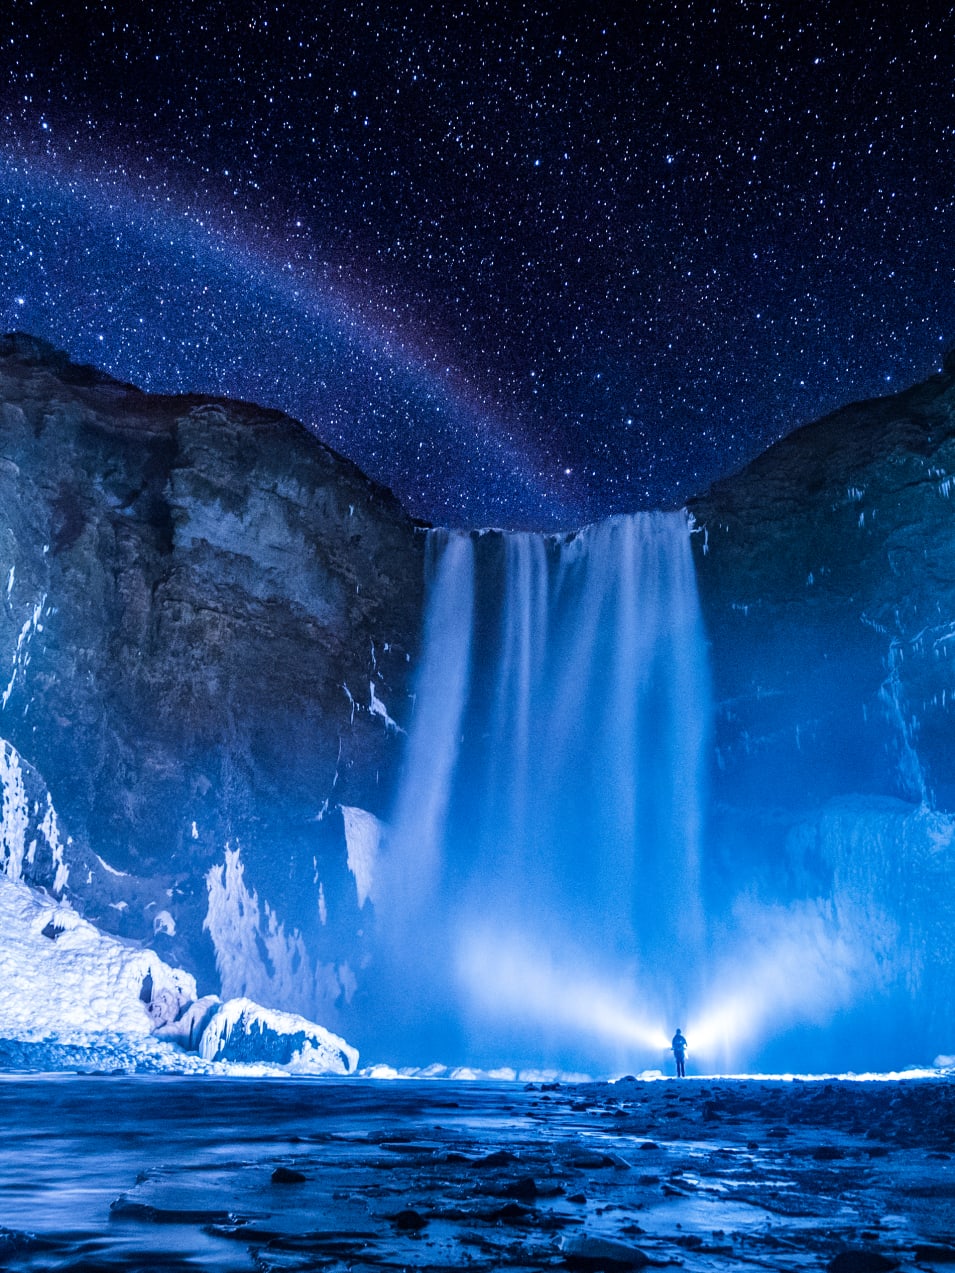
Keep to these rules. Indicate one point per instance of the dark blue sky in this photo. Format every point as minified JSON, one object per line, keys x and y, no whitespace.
{"x":526,"y":266}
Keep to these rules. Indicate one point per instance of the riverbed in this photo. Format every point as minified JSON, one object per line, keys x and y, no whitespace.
{"x":119,"y":1172}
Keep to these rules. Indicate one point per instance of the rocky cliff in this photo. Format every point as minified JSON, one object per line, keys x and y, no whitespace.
{"x":827,"y":574}
{"x":208,"y":621}
{"x":827,"y":578}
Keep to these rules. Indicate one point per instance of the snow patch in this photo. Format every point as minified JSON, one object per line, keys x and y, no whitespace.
{"x":363,"y":836}
{"x":351,"y":700}
{"x":50,"y":829}
{"x":377,"y":708}
{"x":110,"y":870}
{"x":164,"y":923}
{"x":17,"y":846}
{"x":21,"y":655}
{"x":502,"y":1074}
{"x":82,"y":997}
{"x":15,"y":819}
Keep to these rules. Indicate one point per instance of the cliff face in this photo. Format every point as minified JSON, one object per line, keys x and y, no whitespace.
{"x":209,"y":624}
{"x":208,"y":621}
{"x":827,"y":577}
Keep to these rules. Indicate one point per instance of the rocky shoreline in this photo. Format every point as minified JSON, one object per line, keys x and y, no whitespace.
{"x":706,"y":1174}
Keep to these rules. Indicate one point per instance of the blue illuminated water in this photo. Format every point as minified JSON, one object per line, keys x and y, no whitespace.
{"x":542,"y":898}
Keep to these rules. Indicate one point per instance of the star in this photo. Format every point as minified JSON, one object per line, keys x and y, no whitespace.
{"x":452,"y":242}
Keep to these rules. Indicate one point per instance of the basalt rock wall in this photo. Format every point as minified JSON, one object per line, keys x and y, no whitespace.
{"x":208,"y":623}
{"x":827,"y":578}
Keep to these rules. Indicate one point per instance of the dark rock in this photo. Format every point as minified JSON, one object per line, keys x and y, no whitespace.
{"x":524,"y":1190}
{"x":14,"y":1242}
{"x":861,"y":1261}
{"x":498,"y":1158}
{"x":933,"y":1254}
{"x":287,"y":1176}
{"x":409,"y":1221}
{"x":588,"y":1158}
{"x":126,"y":1209}
{"x":827,"y":1153}
{"x":581,"y":1251}
{"x":512,"y":1213}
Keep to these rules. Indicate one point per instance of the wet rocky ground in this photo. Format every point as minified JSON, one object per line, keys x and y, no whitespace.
{"x":126,"y":1173}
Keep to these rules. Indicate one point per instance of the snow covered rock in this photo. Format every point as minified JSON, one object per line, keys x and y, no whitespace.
{"x":60,"y":976}
{"x":242,"y":1031}
{"x":65,"y":984}
{"x":186,"y":1026}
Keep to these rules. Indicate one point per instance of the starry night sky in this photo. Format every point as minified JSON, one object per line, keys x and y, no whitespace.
{"x":525,"y":265}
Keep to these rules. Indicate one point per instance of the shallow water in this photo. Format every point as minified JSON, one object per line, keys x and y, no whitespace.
{"x":125,"y":1173}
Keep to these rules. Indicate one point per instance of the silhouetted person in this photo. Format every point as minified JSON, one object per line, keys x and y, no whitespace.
{"x":679,"y":1051}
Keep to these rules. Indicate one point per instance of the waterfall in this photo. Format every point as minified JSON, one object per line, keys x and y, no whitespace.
{"x":546,"y":837}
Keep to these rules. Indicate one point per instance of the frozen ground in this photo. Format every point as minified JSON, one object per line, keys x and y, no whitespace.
{"x":169,"y":1172}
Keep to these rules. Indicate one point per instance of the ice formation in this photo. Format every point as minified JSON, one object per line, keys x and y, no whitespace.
{"x":60,"y":976}
{"x":65,"y":985}
{"x":363,"y":834}
{"x":255,"y":956}
{"x":73,"y":995}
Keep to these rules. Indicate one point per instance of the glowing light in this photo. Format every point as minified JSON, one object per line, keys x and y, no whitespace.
{"x":797,"y":963}
{"x":801,"y":963}
{"x":506,"y":977}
